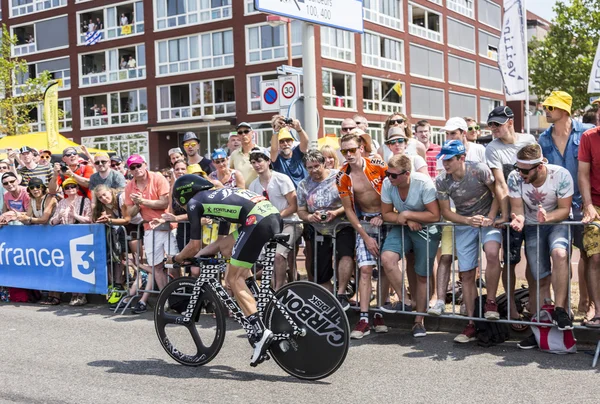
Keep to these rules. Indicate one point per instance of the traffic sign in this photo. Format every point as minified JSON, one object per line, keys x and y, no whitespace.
{"x":289,"y":88}
{"x":342,"y":14}
{"x":269,"y":99}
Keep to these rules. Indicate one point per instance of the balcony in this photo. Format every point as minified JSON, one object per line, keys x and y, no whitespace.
{"x":111,"y":23}
{"x":113,"y":65}
{"x":25,"y":7}
{"x":122,"y":108}
{"x":464,"y":7}
{"x":424,"y":32}
{"x":424,"y":23}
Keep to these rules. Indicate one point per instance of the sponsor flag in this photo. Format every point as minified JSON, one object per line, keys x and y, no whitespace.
{"x":126,"y":30}
{"x":92,"y":38}
{"x":594,"y":84}
{"x":512,"y":51}
{"x":51,"y":114}
{"x":398,"y":89}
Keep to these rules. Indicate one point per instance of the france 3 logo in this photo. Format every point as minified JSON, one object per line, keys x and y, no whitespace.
{"x":83,"y":265}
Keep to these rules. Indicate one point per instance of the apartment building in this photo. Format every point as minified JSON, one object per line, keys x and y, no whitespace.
{"x":137,"y":74}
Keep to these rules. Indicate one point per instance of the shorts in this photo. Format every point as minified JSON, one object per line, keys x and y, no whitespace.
{"x":183,"y":235}
{"x":468,"y":244}
{"x":591,"y":237}
{"x":577,"y":231}
{"x":514,"y":245}
{"x":344,"y":247}
{"x":363,"y":255}
{"x":136,"y":232}
{"x":250,"y":240}
{"x":295,"y":232}
{"x":157,"y":243}
{"x":447,"y":242}
{"x":417,"y":242}
{"x":550,"y":238}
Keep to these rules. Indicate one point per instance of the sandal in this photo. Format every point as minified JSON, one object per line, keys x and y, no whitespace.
{"x":51,"y":301}
{"x":518,"y":327}
{"x":593,"y":323}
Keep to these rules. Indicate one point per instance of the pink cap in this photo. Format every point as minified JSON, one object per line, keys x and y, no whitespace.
{"x":135,"y":159}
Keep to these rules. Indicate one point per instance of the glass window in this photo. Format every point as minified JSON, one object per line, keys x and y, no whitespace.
{"x":489,"y":13}
{"x":461,"y":71}
{"x":462,"y":104}
{"x":384,"y":12}
{"x":461,"y":35}
{"x":337,"y":44}
{"x":123,"y":144}
{"x":179,"y":13}
{"x":382,"y":52}
{"x":427,"y":102}
{"x":426,"y":62}
{"x":425,"y":23}
{"x":373,"y":92}
{"x":338,"y":89}
{"x":192,"y":100}
{"x":254,"y":95}
{"x":490,"y":78}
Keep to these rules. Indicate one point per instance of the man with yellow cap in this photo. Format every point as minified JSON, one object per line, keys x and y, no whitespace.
{"x":287,"y":158}
{"x":104,"y":175}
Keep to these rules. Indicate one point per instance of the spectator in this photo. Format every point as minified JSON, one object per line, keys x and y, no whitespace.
{"x":413,"y":147}
{"x":123,"y":64}
{"x":149,"y":192}
{"x":542,"y":193}
{"x":234,"y":142}
{"x":348,"y":125}
{"x":367,"y":143}
{"x":30,"y":39}
{"x":287,"y":158}
{"x":91,"y":26}
{"x":456,"y":129}
{"x":45,"y":157}
{"x":319,"y":204}
{"x":413,"y":196}
{"x":4,"y":168}
{"x":116,"y":163}
{"x":470,"y":185}
{"x":131,"y":63}
{"x":331,"y":159}
{"x":240,"y":158}
{"x":175,"y":154}
{"x":396,"y":142}
{"x":229,"y":177}
{"x":124,"y":19}
{"x":72,"y":209}
{"x":95,"y":110}
{"x":16,"y":199}
{"x":168,"y":174}
{"x":30,"y":169}
{"x":279,"y":189}
{"x":423,"y":135}
{"x":72,"y":169}
{"x":590,"y":117}
{"x":473,"y":129}
{"x":363,"y":124}
{"x":104,"y":175}
{"x":191,"y":145}
{"x":359,"y":184}
{"x":103,"y":110}
{"x":99,"y":25}
{"x":589,"y":185}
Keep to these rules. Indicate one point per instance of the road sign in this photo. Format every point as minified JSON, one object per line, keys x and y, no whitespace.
{"x":342,"y":14}
{"x":269,"y":99}
{"x":289,"y":89}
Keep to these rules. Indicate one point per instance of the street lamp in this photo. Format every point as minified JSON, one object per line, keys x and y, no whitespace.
{"x":276,"y":21}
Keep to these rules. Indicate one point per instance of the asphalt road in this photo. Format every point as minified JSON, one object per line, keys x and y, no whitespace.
{"x":89,"y":355}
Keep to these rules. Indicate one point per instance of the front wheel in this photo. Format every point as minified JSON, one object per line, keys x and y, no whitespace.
{"x":323,"y":349}
{"x":199,"y":341}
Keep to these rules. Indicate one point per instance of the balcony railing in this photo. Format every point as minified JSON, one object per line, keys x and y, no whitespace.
{"x":99,"y":121}
{"x":382,"y":19}
{"x":115,"y":32}
{"x":424,"y":32}
{"x":460,"y":7}
{"x":25,"y":49}
{"x":382,"y":63}
{"x":381,"y":106}
{"x":190,"y":112}
{"x":92,"y":79}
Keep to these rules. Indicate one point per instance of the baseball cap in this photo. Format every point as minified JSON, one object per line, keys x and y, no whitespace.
{"x":175,"y":150}
{"x":261,"y":151}
{"x":218,"y":154}
{"x":454,"y":124}
{"x":500,"y":115}
{"x":26,"y":149}
{"x":189,"y":136}
{"x":69,"y":149}
{"x":68,"y":181}
{"x":450,"y":149}
{"x":284,"y":133}
{"x":35,"y":182}
{"x":8,"y":174}
{"x":243,"y":125}
{"x":232,"y":134}
{"x":135,"y":159}
{"x":116,"y":159}
{"x":559,"y":99}
{"x":46,"y":151}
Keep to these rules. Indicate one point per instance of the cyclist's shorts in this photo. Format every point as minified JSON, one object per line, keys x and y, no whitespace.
{"x":252,"y":237}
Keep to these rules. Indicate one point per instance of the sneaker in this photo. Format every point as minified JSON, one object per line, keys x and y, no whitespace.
{"x":120,"y":304}
{"x":418,"y":330}
{"x":397,"y":307}
{"x":490,"y":310}
{"x":115,"y":297}
{"x":81,"y":301}
{"x":528,"y":343}
{"x":260,"y":348}
{"x":438,"y":308}
{"x":139,"y":308}
{"x":378,"y":324}
{"x":73,"y":301}
{"x":562,"y":319}
{"x":361,"y":329}
{"x":344,"y":301}
{"x":467,"y":335}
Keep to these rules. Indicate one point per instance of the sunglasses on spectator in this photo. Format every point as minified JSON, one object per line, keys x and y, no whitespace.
{"x":45,"y":157}
{"x":398,"y":121}
{"x":113,"y":165}
{"x":243,"y":132}
{"x":395,"y":141}
{"x":525,"y":170}
{"x":3,"y":168}
{"x":70,"y":186}
{"x":101,"y":162}
{"x":135,"y":166}
{"x":190,"y":144}
{"x":35,"y":186}
{"x":476,"y":127}
{"x":9,"y":182}
{"x":549,"y":108}
{"x":348,"y":129}
{"x":219,"y":161}
{"x":69,"y":154}
{"x":394,"y":176}
{"x":494,"y":124}
{"x":351,"y":150}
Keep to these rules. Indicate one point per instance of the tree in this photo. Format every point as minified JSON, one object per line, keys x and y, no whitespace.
{"x":563,"y":59}
{"x":20,"y":94}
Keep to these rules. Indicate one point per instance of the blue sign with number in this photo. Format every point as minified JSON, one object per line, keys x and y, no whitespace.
{"x":69,"y":258}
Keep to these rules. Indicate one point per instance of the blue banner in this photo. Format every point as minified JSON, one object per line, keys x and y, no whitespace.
{"x":67,"y":258}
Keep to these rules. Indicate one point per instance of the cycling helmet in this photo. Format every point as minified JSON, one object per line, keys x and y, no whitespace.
{"x":187,"y":186}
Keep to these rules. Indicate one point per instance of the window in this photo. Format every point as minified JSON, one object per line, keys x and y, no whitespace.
{"x":112,"y":22}
{"x":464,"y":7}
{"x":426,"y":62}
{"x":264,"y":42}
{"x":338,"y":90}
{"x":461,"y":35}
{"x":249,"y":9}
{"x":178,"y":13}
{"x":427,"y":102}
{"x":65,"y":118}
{"x":123,"y":144}
{"x":490,"y":78}
{"x":373,"y":91}
{"x":196,"y":99}
{"x":254,"y":95}
{"x":489,"y":13}
{"x":462,"y":104}
{"x":24,"y":7}
{"x":337,"y":44}
{"x":382,"y":52}
{"x":461,"y":71}
{"x":113,"y":65}
{"x":486,"y":105}
{"x":118,"y":108}
{"x":59,"y":69}
{"x":424,"y":23}
{"x":34,"y":37}
{"x":488,"y":45}
{"x":384,"y":12}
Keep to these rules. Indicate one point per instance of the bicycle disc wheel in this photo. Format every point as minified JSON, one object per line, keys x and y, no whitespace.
{"x":199,"y":341}
{"x":323,"y":349}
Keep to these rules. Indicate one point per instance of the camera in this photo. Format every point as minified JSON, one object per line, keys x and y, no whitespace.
{"x":288,"y":121}
{"x":323,"y":216}
{"x":64,"y":167}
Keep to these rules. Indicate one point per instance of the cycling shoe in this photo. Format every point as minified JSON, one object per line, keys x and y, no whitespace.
{"x":261,"y":347}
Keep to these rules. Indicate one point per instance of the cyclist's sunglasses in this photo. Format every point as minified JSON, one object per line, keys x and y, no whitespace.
{"x":394,"y":176}
{"x":525,"y":170}
{"x":476,"y":127}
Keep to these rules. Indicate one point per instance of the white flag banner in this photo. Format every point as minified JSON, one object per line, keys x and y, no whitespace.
{"x":512,"y":51}
{"x":594,"y":84}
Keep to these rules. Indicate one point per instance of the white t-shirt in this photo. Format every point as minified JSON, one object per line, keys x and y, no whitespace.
{"x":502,"y":156}
{"x":558,"y":185}
{"x":416,"y":163}
{"x":279,"y":186}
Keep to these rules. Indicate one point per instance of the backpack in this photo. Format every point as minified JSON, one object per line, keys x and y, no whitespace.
{"x":551,"y":339}
{"x":489,"y":333}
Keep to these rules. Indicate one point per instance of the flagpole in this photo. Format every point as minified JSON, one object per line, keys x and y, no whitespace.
{"x":527,"y":120}
{"x":388,"y":93}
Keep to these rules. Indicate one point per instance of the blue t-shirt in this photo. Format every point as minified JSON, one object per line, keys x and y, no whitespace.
{"x":570,"y":159}
{"x":292,"y":167}
{"x":421,"y":192}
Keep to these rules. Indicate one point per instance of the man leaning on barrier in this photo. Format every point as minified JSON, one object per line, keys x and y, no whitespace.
{"x":542,"y":193}
{"x":413,"y":195}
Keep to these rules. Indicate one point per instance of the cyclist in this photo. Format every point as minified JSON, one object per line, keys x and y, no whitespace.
{"x":259,"y":221}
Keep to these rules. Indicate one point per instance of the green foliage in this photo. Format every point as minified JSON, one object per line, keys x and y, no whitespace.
{"x":15,"y":108}
{"x":563,"y":59}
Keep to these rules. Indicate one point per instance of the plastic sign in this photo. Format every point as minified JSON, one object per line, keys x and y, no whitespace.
{"x":341,"y":14}
{"x":289,"y":89}
{"x":269,"y":95}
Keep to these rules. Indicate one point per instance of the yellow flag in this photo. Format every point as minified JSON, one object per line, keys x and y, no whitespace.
{"x":126,"y":30}
{"x":398,"y":88}
{"x":51,"y":114}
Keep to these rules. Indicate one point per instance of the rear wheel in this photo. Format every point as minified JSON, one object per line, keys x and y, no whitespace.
{"x":323,"y":349}
{"x":199,"y":341}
